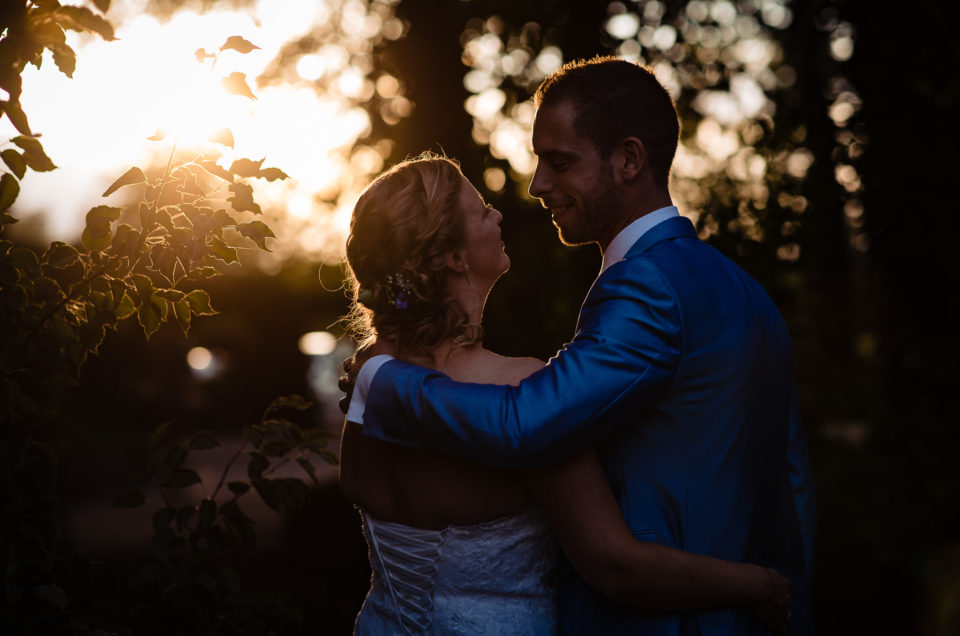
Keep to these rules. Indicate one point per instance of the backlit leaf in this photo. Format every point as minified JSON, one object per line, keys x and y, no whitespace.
{"x":33,"y":152}
{"x":181,"y":310}
{"x":293,"y":401}
{"x":96,"y":234}
{"x":15,"y":162}
{"x":199,"y":302}
{"x":60,"y":254}
{"x":309,"y":468}
{"x":131,"y":177}
{"x":65,"y":58}
{"x":236,"y":84}
{"x":150,"y":314}
{"x":9,"y":190}
{"x":124,"y":308}
{"x":221,"y":250}
{"x":246,"y":167}
{"x":18,"y":118}
{"x":104,"y":212}
{"x":22,"y":257}
{"x":258,"y":232}
{"x":103,"y":5}
{"x":272,"y":174}
{"x":242,"y":198}
{"x":160,"y":135}
{"x":83,"y":19}
{"x":128,"y":499}
{"x":215,"y":169}
{"x":47,"y":289}
{"x":237,"y":43}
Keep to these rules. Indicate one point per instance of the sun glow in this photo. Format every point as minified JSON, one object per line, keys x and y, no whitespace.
{"x":154,"y":82}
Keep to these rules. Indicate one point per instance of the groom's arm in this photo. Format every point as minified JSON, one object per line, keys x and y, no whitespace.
{"x":624,"y":354}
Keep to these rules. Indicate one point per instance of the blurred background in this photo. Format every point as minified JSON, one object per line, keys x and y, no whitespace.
{"x":817,"y":139}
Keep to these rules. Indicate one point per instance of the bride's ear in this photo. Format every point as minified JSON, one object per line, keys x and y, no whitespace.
{"x":456,"y":261}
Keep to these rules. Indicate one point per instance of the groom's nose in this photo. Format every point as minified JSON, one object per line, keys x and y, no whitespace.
{"x":538,"y":184}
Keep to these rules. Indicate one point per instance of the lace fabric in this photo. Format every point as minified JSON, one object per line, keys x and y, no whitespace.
{"x":492,"y":578}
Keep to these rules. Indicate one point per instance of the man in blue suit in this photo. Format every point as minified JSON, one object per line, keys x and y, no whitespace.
{"x":680,"y":371}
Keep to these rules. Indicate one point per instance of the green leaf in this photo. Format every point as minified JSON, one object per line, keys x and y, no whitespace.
{"x":18,"y":118}
{"x":161,"y":435}
{"x":258,"y":232}
{"x":199,"y":302}
{"x":9,"y":190}
{"x":246,"y":167}
{"x":144,"y":286}
{"x":126,"y":240}
{"x":181,"y":309}
{"x":150,"y":314}
{"x":268,"y":492}
{"x":15,"y":162}
{"x":242,"y":198}
{"x":83,"y":19}
{"x":253,"y":434}
{"x":47,"y":289}
{"x":33,"y":153}
{"x":203,"y":440}
{"x":170,"y":294}
{"x":182,"y":478}
{"x":221,"y":250}
{"x":292,"y":401}
{"x":131,"y":177}
{"x":61,"y":254}
{"x":22,"y":257}
{"x":258,"y":463}
{"x":215,"y":169}
{"x":96,"y":234}
{"x":236,"y":84}
{"x":128,"y":499}
{"x":65,"y":58}
{"x":124,"y":308}
{"x":238,"y":487}
{"x":276,"y":448}
{"x":237,"y":43}
{"x":308,"y":467}
{"x":272,"y":174}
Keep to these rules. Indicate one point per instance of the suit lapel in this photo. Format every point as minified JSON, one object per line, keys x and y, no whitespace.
{"x":676,"y":227}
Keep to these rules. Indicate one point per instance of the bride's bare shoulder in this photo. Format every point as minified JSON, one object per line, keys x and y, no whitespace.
{"x":516,"y":369}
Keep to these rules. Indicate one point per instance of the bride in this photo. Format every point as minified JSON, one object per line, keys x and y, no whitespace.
{"x":463,"y":548}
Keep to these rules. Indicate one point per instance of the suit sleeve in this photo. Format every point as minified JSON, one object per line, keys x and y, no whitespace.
{"x":625,"y":352}
{"x":801,"y":481}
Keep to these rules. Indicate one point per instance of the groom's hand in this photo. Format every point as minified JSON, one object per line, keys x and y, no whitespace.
{"x":773,"y":606}
{"x":351,"y":367}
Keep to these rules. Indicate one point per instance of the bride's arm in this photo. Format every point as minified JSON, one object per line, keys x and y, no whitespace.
{"x":576,"y":498}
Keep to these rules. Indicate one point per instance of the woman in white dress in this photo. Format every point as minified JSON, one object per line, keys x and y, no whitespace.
{"x":458,"y":547}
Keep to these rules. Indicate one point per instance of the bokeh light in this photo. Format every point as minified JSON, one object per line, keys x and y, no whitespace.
{"x":317,"y":343}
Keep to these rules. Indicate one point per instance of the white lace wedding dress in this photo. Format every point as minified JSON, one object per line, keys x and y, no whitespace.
{"x":490,"y":578}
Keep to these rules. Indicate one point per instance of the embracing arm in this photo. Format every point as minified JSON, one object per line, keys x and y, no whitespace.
{"x":625,"y":352}
{"x":576,"y":499}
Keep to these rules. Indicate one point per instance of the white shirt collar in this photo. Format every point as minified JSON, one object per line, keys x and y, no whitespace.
{"x":629,"y":235}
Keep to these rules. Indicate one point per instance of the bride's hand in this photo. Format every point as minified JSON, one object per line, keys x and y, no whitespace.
{"x":772,"y":605}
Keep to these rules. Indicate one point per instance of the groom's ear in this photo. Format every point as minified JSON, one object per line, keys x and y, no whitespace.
{"x":631,"y":158}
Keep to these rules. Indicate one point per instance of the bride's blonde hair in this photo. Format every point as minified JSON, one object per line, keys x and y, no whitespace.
{"x":404,"y":225}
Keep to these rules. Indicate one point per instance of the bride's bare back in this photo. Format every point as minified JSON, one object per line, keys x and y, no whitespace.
{"x":429,"y":490}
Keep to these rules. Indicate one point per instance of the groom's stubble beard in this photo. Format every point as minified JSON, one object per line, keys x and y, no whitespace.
{"x":596,"y":211}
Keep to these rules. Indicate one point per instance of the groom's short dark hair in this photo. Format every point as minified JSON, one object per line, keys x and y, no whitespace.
{"x":615,"y":99}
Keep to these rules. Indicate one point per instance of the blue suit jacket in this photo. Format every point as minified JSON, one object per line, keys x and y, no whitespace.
{"x":680,"y":373}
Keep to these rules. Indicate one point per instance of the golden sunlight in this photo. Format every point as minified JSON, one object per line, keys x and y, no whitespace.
{"x":168,"y":80}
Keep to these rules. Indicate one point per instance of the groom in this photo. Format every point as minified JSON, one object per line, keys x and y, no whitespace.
{"x":679,"y":372}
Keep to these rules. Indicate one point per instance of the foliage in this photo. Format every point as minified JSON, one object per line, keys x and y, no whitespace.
{"x":143,"y":260}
